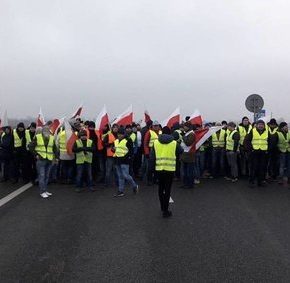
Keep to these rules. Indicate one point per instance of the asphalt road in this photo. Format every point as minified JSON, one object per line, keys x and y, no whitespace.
{"x":219,"y":232}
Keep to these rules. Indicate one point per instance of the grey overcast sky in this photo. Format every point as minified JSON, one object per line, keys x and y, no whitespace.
{"x":155,"y":54}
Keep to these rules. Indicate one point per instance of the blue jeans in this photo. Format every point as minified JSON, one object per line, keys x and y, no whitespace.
{"x":67,"y":170}
{"x":199,"y":164}
{"x":188,"y":169}
{"x":109,"y":170}
{"x":86,"y":169}
{"x":123,"y":174}
{"x":284,"y":164}
{"x":43,"y":169}
{"x":218,"y":161}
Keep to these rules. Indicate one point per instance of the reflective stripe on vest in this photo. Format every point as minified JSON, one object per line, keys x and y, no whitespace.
{"x":165,"y":156}
{"x":17,"y":140}
{"x":153,"y":138}
{"x":81,"y":157}
{"x":121,"y":148}
{"x":283,"y":142}
{"x":272,"y":131}
{"x":230,"y":143}
{"x":219,"y":141}
{"x":111,"y":140}
{"x":44,"y":152}
{"x":260,"y":142}
{"x":243,"y":133}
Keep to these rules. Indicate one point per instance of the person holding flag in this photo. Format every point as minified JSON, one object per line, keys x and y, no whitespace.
{"x":187,"y":157}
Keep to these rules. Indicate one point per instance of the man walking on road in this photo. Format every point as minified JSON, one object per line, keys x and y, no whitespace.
{"x":45,"y":151}
{"x":163,"y":154}
{"x":123,"y":148}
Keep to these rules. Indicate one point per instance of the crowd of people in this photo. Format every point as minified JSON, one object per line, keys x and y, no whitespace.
{"x":122,"y":156}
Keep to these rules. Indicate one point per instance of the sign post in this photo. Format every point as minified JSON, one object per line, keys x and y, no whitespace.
{"x":254,"y":103}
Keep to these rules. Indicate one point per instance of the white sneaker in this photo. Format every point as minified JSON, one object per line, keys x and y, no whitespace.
{"x":48,"y":193}
{"x":44,"y":195}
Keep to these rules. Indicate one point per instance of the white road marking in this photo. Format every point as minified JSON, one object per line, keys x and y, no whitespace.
{"x":15,"y":194}
{"x":171,"y":200}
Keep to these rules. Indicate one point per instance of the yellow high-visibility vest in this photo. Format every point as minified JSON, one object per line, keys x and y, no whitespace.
{"x":230,"y":143}
{"x":28,"y":137}
{"x":17,"y":140}
{"x":283,"y":142}
{"x":260,"y":142}
{"x":62,"y":142}
{"x":45,"y":152}
{"x":81,"y":157}
{"x":272,"y":131}
{"x":153,"y":138}
{"x":243,"y":133}
{"x":121,"y":148}
{"x":165,"y":156}
{"x":219,"y":141}
{"x":133,"y":137}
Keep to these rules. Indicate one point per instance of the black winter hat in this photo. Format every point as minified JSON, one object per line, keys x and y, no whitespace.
{"x":166,"y":130}
{"x":33,"y":125}
{"x":282,"y":125}
{"x":20,"y":125}
{"x":273,"y":122}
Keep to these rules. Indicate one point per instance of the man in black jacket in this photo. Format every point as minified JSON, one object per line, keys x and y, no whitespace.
{"x":6,"y":153}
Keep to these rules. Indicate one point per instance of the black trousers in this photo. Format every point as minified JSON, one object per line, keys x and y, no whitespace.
{"x":273,"y":164}
{"x":258,"y":168}
{"x":165,"y":183}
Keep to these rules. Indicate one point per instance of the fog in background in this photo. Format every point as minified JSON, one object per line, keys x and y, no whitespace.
{"x":156,"y":55}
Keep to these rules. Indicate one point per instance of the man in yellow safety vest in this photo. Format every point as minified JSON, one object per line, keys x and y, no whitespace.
{"x":45,"y":151}
{"x":83,"y":149}
{"x":123,"y":152}
{"x":258,"y":143}
{"x":163,"y":155}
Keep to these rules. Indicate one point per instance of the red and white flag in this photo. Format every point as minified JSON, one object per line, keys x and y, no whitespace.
{"x":40,"y":122}
{"x":126,"y":118}
{"x":102,"y":119}
{"x":4,"y":120}
{"x":172,"y":119}
{"x":195,"y":118}
{"x":204,"y":134}
{"x":147,"y":117}
{"x":78,"y":112}
{"x":56,"y":124}
{"x":71,"y":137}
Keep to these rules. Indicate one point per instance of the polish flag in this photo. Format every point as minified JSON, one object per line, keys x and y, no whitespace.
{"x":56,"y":124}
{"x":196,"y":118}
{"x":4,"y":120}
{"x":71,"y":137}
{"x":40,"y":122}
{"x":126,"y":118}
{"x":204,"y":134}
{"x":172,"y":119}
{"x":78,"y":112}
{"x":102,"y":119}
{"x":147,"y":117}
